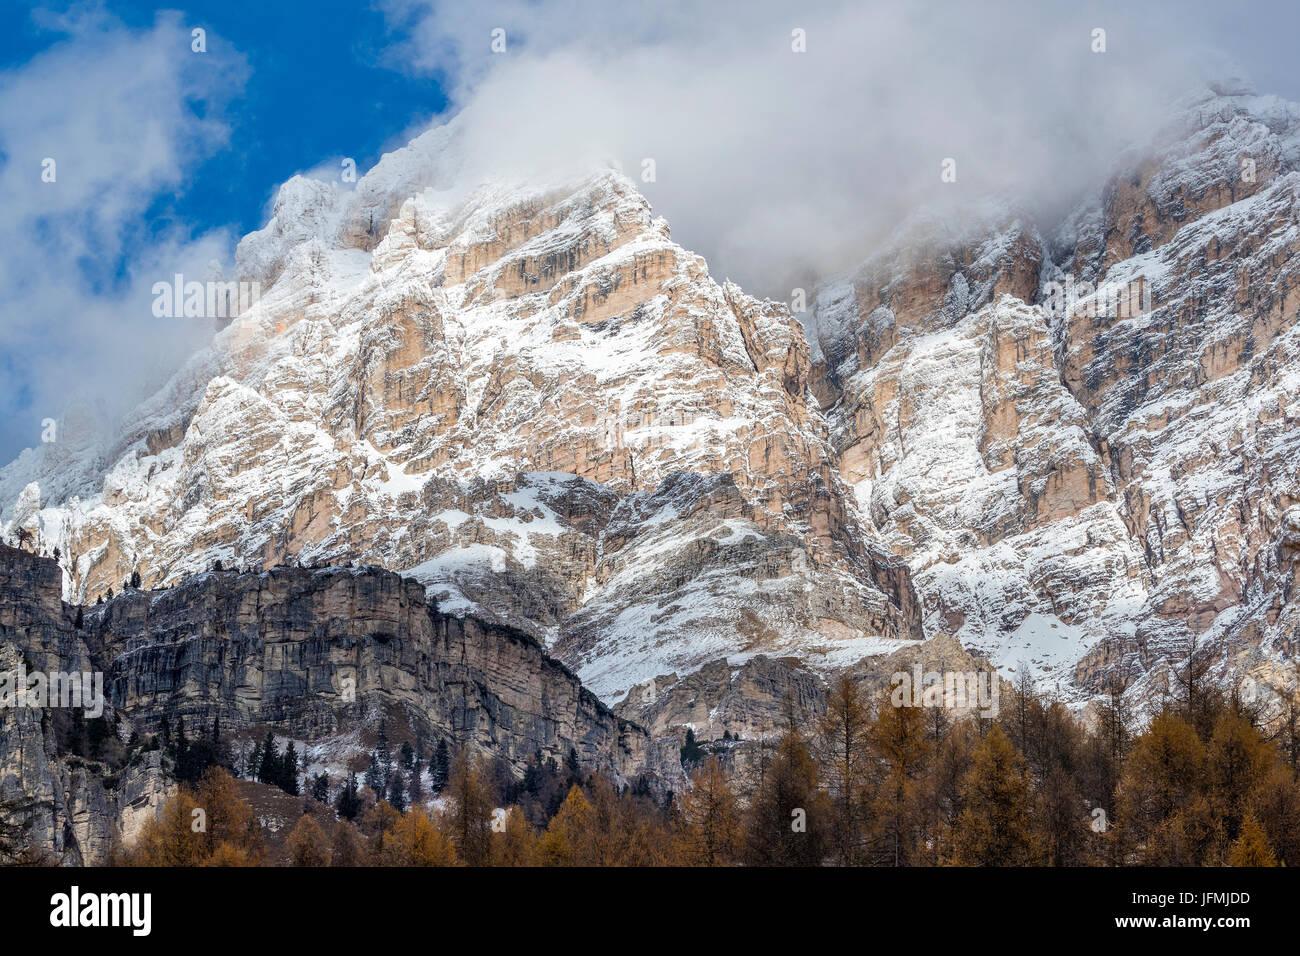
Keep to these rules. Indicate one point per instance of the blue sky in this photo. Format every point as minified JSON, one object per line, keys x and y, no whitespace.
{"x":284,"y":86}
{"x":313,"y":89}
{"x":768,"y":164}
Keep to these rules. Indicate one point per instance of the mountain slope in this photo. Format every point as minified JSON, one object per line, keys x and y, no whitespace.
{"x":529,"y":398}
{"x":1086,"y":445}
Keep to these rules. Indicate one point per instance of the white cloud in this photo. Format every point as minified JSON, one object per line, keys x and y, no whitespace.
{"x":771,"y":162}
{"x":115,"y":109}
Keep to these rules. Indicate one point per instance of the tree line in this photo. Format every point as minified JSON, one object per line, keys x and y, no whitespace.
{"x":869,"y":784}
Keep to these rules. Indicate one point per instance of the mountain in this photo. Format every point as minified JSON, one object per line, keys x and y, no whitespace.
{"x":1091,"y":484}
{"x":325,"y":657}
{"x":528,"y":398}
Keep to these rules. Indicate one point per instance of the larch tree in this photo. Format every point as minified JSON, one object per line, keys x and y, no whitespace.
{"x":469,"y":817}
{"x":789,"y":817}
{"x":1162,"y":779}
{"x":994,"y":827}
{"x":710,"y":817}
{"x":307,"y":844}
{"x":842,"y":751}
{"x":567,"y":840}
{"x":1251,"y":848}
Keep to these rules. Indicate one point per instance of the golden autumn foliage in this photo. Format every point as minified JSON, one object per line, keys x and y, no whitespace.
{"x":415,"y":840}
{"x":872,"y":784}
{"x":307,"y":843}
{"x":711,"y":831}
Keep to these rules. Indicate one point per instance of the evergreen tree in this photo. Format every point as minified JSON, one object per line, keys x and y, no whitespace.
{"x":253,"y":766}
{"x":348,"y":804}
{"x":374,"y":778}
{"x":692,"y":752}
{"x":408,"y":755}
{"x":271,"y":766}
{"x":439,"y":768}
{"x":320,"y":787}
{"x":288,"y":781}
{"x":397,"y":791}
{"x":415,"y":789}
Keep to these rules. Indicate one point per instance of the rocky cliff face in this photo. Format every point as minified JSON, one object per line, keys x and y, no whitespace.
{"x":75,"y":808}
{"x":1085,"y":444}
{"x":532,"y":401}
{"x":308,"y":654}
{"x":311,"y":651}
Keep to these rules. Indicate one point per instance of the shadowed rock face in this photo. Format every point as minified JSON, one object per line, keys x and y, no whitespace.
{"x":75,"y":808}
{"x":309,"y":650}
{"x":303,"y":652}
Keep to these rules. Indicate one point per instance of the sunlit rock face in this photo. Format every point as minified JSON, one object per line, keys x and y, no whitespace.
{"x":525,"y":396}
{"x":1069,"y":444}
{"x":1084,"y":443}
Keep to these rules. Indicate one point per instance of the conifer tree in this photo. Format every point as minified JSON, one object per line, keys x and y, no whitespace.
{"x":898,"y":741}
{"x":1157,"y":799}
{"x":397,"y":791}
{"x":1251,"y":847}
{"x":711,"y":819}
{"x":789,"y":816}
{"x":1238,"y":760}
{"x":375,"y":779}
{"x":307,"y":844}
{"x":516,"y":845}
{"x":994,"y":828}
{"x":271,"y":766}
{"x":439,"y":768}
{"x":841,"y":747}
{"x":346,"y":848}
{"x":348,"y":804}
{"x":567,"y":840}
{"x":415,"y":787}
{"x":416,"y":840}
{"x":470,"y":814}
{"x":288,"y":781}
{"x":692,"y":752}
